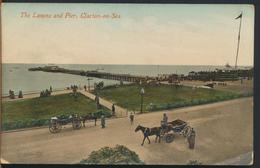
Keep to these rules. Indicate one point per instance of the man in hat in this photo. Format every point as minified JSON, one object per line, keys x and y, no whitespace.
{"x":164,"y":120}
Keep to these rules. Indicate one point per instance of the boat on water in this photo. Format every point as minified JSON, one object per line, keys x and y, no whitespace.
{"x":227,"y":65}
{"x":100,"y":69}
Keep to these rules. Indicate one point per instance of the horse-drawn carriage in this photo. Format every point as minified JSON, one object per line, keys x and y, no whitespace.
{"x":166,"y":132}
{"x":56,"y":123}
{"x":177,"y":126}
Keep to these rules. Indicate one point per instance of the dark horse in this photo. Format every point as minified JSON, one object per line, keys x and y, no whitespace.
{"x":89,"y":117}
{"x":149,"y":132}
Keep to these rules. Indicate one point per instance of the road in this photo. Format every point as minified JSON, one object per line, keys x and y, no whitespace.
{"x":224,"y":130}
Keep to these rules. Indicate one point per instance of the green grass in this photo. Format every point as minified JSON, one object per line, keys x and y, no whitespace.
{"x":38,"y":111}
{"x":128,"y":96}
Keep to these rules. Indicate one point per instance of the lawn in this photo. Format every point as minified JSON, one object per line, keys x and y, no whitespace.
{"x":128,"y":96}
{"x":35,"y":110}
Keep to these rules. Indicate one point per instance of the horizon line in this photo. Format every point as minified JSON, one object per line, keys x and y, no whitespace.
{"x":131,"y":64}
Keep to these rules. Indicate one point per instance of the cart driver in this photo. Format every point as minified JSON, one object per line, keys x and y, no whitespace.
{"x":164,"y":120}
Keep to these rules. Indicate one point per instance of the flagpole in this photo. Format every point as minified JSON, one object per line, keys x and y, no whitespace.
{"x":238,"y":42}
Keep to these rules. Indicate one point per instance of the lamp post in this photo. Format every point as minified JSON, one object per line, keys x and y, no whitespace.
{"x":89,"y":83}
{"x":142,"y":95}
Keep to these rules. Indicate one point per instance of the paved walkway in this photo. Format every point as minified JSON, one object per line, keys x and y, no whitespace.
{"x":119,"y":111}
{"x":36,"y":94}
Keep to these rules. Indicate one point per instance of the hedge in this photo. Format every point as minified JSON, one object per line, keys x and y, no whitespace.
{"x":10,"y":125}
{"x":166,"y":106}
{"x":24,"y":124}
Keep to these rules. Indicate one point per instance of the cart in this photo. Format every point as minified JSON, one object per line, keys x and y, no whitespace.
{"x":56,"y":123}
{"x":175,"y":127}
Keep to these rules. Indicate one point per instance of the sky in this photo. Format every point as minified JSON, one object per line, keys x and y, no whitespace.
{"x":158,"y":34}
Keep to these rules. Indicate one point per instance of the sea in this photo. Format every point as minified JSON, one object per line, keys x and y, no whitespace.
{"x":17,"y":77}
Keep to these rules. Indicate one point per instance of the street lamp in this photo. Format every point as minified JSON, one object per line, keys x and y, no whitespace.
{"x":142,"y":95}
{"x":89,"y":83}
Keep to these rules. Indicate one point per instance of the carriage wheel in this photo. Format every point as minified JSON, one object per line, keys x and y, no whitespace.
{"x":169,"y":138}
{"x":186,"y":131}
{"x":54,"y":127}
{"x":76,"y":124}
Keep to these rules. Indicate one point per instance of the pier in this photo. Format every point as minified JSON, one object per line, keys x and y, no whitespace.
{"x":96,"y":74}
{"x":217,"y":75}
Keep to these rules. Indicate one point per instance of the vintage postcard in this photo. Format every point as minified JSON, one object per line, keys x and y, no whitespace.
{"x":164,"y":84}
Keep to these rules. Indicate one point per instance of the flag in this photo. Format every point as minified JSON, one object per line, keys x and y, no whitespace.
{"x":239,"y":16}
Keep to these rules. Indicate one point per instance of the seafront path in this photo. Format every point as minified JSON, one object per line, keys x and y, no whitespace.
{"x":224,"y":130}
{"x":36,"y":94}
{"x":119,"y":111}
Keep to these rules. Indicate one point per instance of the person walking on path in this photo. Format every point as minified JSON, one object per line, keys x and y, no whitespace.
{"x":97,"y":101}
{"x":50,"y":88}
{"x":103,"y":121}
{"x":113,"y":109}
{"x":85,"y":87}
{"x":191,"y":139}
{"x":132,"y":118}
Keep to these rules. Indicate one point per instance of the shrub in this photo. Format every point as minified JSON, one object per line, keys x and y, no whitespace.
{"x":194,"y":102}
{"x":98,"y":114}
{"x":117,"y":155}
{"x":24,"y":124}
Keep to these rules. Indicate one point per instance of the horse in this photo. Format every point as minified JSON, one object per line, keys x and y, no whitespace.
{"x":149,"y":132}
{"x":89,"y":117}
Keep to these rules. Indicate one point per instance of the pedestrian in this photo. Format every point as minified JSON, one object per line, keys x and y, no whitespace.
{"x":85,"y":87}
{"x":47,"y":92}
{"x":103,"y":121}
{"x":20,"y":94}
{"x":191,"y":139}
{"x":50,"y":88}
{"x":97,"y":102}
{"x":12,"y":95}
{"x":113,"y":109}
{"x":132,"y":118}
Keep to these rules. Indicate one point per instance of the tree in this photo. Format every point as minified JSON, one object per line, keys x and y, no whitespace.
{"x":117,"y":155}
